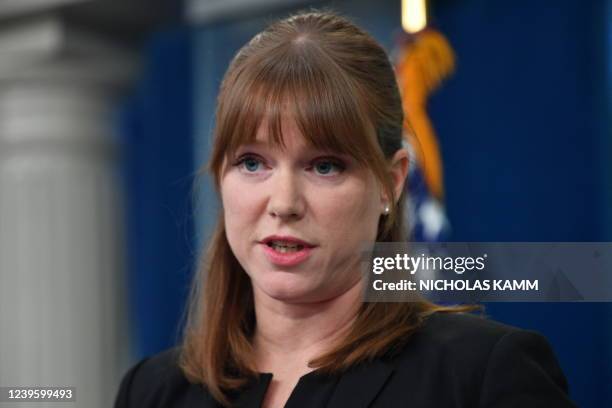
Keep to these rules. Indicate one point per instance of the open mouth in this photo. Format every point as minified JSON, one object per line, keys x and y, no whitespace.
{"x":284,"y":247}
{"x":282,"y":252}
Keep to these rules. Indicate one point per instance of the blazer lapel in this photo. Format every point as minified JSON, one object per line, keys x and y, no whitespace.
{"x":197,"y":396}
{"x":358,"y":387}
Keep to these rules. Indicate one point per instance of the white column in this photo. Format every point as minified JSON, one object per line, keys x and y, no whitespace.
{"x":62,"y":272}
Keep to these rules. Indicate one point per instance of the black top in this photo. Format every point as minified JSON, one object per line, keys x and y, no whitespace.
{"x":453,"y":360}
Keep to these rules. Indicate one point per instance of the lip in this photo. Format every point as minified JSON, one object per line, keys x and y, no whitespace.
{"x":286,"y":259}
{"x":289,"y":258}
{"x":287,"y":238}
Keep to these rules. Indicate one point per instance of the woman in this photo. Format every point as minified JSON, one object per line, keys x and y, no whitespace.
{"x":309,"y":164}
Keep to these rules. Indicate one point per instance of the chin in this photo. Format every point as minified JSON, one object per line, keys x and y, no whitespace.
{"x":287,"y":287}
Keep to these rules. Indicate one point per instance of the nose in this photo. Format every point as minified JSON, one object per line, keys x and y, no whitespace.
{"x":286,"y":199}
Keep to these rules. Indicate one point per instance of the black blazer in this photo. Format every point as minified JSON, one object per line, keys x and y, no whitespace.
{"x":453,"y":360}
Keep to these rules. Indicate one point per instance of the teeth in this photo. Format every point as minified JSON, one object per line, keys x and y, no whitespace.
{"x":284,"y":250}
{"x":284,"y":247}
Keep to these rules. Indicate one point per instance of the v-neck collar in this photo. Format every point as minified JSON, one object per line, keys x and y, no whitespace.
{"x":359,"y":386}
{"x":252,"y":395}
{"x":356,"y":388}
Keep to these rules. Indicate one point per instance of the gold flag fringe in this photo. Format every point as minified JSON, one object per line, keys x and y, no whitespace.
{"x":423,"y":61}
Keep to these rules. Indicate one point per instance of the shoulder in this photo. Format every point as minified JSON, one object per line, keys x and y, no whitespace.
{"x":477,"y":340}
{"x":461,"y":337}
{"x":461,"y":330}
{"x":484,"y":360}
{"x":157,"y":381}
{"x":460,"y":341}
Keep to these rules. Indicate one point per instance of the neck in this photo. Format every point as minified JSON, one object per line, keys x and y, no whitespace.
{"x":301,"y":331}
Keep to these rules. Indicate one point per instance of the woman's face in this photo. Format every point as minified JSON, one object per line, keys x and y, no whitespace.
{"x":297,"y":218}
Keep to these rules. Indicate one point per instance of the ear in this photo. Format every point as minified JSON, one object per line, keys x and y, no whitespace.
{"x":399,"y":171}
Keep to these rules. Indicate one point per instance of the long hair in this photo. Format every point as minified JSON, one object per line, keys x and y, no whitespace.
{"x":338,"y":85}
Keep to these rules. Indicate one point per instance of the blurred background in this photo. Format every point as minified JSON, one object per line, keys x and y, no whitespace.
{"x":106,"y":110}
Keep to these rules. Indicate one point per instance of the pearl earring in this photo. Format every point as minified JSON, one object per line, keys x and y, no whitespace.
{"x":386,"y":210}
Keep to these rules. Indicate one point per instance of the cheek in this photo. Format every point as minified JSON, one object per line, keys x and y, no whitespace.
{"x":352,"y":212}
{"x":239,"y":206}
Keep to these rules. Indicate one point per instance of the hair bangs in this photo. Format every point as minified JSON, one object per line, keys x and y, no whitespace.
{"x":327,"y":110}
{"x":295,"y":82}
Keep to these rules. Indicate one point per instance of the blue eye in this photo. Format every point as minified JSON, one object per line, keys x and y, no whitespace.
{"x":249,"y":163}
{"x":326,"y":167}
